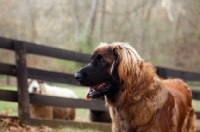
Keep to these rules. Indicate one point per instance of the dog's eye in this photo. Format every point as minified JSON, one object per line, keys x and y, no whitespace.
{"x":100,"y":61}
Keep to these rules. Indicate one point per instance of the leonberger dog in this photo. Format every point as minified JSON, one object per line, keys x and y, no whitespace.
{"x":138,"y":100}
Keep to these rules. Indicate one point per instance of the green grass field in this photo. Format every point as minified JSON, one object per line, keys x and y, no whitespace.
{"x":10,"y":108}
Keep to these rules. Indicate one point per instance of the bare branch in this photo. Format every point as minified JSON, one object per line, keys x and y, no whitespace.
{"x":76,"y":21}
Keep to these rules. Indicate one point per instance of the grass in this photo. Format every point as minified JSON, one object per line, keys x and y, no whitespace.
{"x":8,"y":107}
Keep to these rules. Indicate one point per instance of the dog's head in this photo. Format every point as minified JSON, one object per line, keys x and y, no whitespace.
{"x":111,"y":65}
{"x":34,"y":86}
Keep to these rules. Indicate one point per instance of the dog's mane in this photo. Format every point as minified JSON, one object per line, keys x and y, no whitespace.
{"x":138,"y":84}
{"x":121,"y":45}
{"x":135,"y":74}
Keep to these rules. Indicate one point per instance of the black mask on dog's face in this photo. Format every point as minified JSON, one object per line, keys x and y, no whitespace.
{"x":100,"y":74}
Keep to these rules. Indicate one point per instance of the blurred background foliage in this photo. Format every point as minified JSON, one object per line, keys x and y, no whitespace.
{"x":164,"y":32}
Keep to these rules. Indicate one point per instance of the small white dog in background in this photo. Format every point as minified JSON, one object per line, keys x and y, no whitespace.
{"x":38,"y":111}
{"x":39,"y":87}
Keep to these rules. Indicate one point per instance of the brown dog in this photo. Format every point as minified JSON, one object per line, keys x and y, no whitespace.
{"x":138,"y":100}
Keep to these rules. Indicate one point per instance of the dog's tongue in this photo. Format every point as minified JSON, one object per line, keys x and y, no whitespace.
{"x":88,"y":96}
{"x":91,"y":90}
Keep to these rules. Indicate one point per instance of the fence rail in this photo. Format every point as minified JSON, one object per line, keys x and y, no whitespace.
{"x":40,"y":74}
{"x":185,"y":75}
{"x":12,"y":96}
{"x":46,"y":51}
{"x":22,"y":72}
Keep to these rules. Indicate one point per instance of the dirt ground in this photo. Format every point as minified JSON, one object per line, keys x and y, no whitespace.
{"x":12,"y":125}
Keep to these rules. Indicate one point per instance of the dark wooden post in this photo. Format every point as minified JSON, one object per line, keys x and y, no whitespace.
{"x":161,"y":72}
{"x":21,"y":71}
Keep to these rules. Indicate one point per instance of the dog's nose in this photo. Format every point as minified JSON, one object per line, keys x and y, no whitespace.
{"x":78,"y":76}
{"x":34,"y":89}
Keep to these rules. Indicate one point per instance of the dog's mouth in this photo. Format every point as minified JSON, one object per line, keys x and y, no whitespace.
{"x":98,"y":90}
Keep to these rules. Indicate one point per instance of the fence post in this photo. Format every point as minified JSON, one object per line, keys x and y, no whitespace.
{"x":161,"y":72}
{"x":21,"y":72}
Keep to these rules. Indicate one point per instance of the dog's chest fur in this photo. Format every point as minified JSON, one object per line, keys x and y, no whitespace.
{"x":130,"y":117}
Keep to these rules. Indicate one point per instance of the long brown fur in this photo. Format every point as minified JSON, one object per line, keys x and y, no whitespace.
{"x":146,"y":103}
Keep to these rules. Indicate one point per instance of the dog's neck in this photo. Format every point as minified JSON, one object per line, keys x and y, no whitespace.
{"x":134,"y":89}
{"x":141,"y":96}
{"x":143,"y":107}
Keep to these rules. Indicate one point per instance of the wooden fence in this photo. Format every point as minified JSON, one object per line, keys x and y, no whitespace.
{"x":22,"y":72}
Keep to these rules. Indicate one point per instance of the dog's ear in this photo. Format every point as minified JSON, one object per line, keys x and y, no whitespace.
{"x":29,"y":80}
{"x":40,"y":81}
{"x":114,"y":68}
